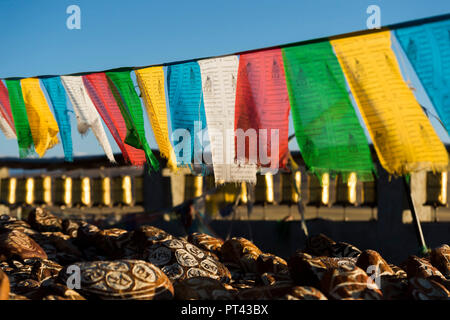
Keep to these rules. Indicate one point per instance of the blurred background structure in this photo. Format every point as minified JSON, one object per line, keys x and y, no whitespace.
{"x":370,"y":214}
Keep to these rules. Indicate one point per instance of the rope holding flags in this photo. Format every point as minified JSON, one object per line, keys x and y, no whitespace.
{"x":327,"y":129}
{"x":57,"y":97}
{"x":402,"y":135}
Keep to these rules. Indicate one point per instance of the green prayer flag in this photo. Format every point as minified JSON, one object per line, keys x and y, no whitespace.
{"x":327,"y":128}
{"x":19,"y":112}
{"x":130,"y":107}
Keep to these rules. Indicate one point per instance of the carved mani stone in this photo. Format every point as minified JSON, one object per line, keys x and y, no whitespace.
{"x":42,"y":220}
{"x":348,"y":281}
{"x":206,"y":242}
{"x":122,"y":279}
{"x":440,"y":258}
{"x":17,"y":245}
{"x":180,"y":260}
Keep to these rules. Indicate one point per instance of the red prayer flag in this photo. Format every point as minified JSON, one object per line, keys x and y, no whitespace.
{"x":5,"y":107}
{"x":262,"y":102}
{"x":103,"y":99}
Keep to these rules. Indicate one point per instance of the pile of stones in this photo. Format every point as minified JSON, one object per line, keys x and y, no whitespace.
{"x":48,"y":258}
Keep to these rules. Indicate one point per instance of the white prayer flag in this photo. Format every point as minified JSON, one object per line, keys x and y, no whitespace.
{"x":219,"y":78}
{"x":87,"y":114}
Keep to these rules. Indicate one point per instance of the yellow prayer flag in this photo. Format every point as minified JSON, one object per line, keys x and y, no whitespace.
{"x":404,"y":138}
{"x":151,"y":84}
{"x":44,"y":128}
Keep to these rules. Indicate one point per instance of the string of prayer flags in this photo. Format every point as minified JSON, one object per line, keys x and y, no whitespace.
{"x":87,"y":115}
{"x":219,"y":80}
{"x":19,"y":113}
{"x":44,"y":128}
{"x":232,"y":111}
{"x":403,"y":137}
{"x":5,"y":111}
{"x":151,"y":85}
{"x":262,"y":106}
{"x":98,"y":89}
{"x":428,"y":49}
{"x":327,"y":128}
{"x":58,"y":99}
{"x":187,"y":112}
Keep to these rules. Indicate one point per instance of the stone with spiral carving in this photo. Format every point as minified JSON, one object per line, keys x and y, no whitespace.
{"x":115,"y":243}
{"x":181,"y":260}
{"x":308,"y":270}
{"x":427,"y":289}
{"x":19,"y":225}
{"x":344,"y":250}
{"x":206,"y":242}
{"x":242,"y":252}
{"x":440,"y":258}
{"x":122,"y":279}
{"x":15,"y":244}
{"x":44,"y":269}
{"x":70,"y":227}
{"x":58,"y":246}
{"x":372,"y":259}
{"x":42,"y":220}
{"x":393,"y":287}
{"x":145,"y":236}
{"x":267,"y":262}
{"x":87,"y":234}
{"x":421,"y":267}
{"x":347,"y":281}
{"x":319,"y":245}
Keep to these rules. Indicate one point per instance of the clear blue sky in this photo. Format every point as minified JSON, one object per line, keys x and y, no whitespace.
{"x":36,"y":41}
